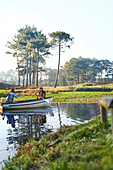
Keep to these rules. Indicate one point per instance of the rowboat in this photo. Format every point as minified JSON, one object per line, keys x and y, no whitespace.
{"x":27,"y":104}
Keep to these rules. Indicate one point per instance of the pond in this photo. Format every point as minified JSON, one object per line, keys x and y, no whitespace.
{"x":17,"y":127}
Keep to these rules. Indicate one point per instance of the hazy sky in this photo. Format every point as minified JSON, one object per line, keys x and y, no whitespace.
{"x":90,"y":22}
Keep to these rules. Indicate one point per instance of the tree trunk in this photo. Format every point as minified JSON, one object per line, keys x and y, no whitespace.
{"x":112,"y":75}
{"x":23,"y":80}
{"x":78,"y":78}
{"x":27,"y":70}
{"x":37,"y":68}
{"x":33,"y":79}
{"x":101,"y":76}
{"x":18,"y":72}
{"x":56,"y":80}
{"x":24,"y":75}
{"x":30,"y":69}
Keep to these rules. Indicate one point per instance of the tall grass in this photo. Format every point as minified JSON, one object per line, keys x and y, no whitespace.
{"x":2,"y":93}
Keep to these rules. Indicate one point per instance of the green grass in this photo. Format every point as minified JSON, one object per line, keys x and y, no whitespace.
{"x":73,"y":97}
{"x":2,"y":93}
{"x":87,"y":146}
{"x":80,"y":97}
{"x":27,"y":97}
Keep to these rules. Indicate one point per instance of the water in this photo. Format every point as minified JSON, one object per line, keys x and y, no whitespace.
{"x":17,"y":127}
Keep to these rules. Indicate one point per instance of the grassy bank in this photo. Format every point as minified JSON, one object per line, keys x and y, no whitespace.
{"x":87,"y":146}
{"x":73,"y":97}
{"x":80,"y":97}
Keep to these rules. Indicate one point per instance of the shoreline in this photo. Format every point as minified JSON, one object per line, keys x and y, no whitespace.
{"x":71,"y":147}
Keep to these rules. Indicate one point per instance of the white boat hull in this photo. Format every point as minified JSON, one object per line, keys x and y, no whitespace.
{"x":29,"y":104}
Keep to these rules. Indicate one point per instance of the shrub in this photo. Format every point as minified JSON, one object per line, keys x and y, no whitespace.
{"x":102,"y":89}
{"x":87,"y":84}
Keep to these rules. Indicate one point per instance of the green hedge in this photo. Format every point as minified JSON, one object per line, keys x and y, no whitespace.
{"x":106,"y":89}
{"x":87,"y":84}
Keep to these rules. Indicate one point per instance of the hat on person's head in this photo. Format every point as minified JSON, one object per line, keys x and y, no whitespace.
{"x":41,"y":88}
{"x":12,"y":90}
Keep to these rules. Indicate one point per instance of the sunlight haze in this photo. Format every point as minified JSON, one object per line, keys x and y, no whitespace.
{"x":90,"y":22}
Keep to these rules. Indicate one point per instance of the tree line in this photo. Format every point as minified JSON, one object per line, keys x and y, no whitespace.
{"x":77,"y":70}
{"x":81,"y":70}
{"x":31,"y":48}
{"x":8,"y":77}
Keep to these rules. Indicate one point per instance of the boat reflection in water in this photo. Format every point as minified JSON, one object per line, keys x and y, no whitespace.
{"x":27,"y":124}
{"x":19,"y":126}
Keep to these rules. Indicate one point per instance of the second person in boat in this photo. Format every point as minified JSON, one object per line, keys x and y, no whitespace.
{"x":11,"y":96}
{"x":41,"y":94}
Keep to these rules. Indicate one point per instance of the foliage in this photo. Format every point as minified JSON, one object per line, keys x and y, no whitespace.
{"x":8,"y":77}
{"x":94,"y":89}
{"x":80,"y":70}
{"x":85,"y":146}
{"x":62,"y":40}
{"x":30,"y":46}
{"x":87,"y":84}
{"x":48,"y":77}
{"x":74,"y":72}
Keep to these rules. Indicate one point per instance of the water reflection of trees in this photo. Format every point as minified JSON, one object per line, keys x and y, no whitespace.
{"x":59,"y":114}
{"x":84,"y":111}
{"x":29,"y":127}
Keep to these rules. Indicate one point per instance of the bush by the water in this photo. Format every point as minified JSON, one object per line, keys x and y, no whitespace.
{"x":101,"y":89}
{"x":87,"y":84}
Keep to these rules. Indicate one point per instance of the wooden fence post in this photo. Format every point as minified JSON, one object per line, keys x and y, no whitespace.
{"x":103,"y":114}
{"x":112,"y":119}
{"x":106,"y":103}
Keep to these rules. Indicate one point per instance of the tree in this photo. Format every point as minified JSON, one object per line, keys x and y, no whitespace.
{"x":50,"y":74}
{"x":77,"y":69}
{"x":62,"y":78}
{"x":82,"y":70}
{"x":60,"y":40}
{"x":8,"y":77}
{"x":30,"y":47}
{"x":41,"y":48}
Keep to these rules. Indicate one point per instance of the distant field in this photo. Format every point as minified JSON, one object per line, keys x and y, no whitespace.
{"x":74,"y":94}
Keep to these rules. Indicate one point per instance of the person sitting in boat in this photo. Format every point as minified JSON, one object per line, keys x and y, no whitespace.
{"x":10,"y":96}
{"x":41,"y":94}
